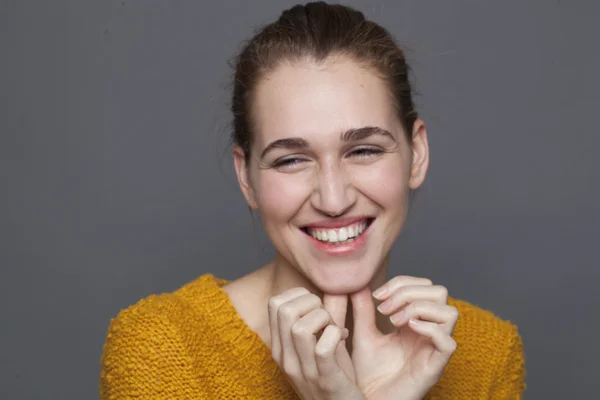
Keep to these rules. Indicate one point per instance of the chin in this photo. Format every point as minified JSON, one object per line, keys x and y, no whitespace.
{"x":341,"y":282}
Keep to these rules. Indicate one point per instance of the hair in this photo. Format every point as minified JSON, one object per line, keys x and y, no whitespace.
{"x":318,"y":31}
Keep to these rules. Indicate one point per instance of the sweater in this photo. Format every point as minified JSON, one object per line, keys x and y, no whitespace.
{"x":192,"y":344}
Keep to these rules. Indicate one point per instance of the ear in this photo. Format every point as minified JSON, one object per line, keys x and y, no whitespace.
{"x":243,"y":176}
{"x":420,"y":155}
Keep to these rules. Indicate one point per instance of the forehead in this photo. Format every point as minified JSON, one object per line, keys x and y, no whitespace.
{"x":306,"y":99}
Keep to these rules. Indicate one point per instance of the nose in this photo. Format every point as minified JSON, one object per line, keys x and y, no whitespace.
{"x":333,"y":194}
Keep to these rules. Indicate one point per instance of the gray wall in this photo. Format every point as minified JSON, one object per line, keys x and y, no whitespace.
{"x":114,"y":185}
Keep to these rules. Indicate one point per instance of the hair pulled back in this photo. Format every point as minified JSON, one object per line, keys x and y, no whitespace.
{"x":318,"y":31}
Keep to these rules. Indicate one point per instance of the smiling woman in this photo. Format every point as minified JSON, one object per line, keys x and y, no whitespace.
{"x":327,"y":148}
{"x":331,"y":138}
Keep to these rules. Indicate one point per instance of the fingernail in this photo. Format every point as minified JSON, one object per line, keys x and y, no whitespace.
{"x":415,"y":322}
{"x":384,"y":307}
{"x":379,"y":293}
{"x":398,"y":317}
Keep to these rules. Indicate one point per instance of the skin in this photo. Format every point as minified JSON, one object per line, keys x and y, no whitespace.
{"x":311,"y":295}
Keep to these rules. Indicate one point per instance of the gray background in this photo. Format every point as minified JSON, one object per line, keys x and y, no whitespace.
{"x":116,"y":181}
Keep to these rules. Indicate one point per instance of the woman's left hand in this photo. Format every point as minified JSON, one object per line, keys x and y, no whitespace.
{"x":407,"y":362}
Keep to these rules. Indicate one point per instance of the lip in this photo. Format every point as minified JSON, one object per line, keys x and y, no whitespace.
{"x":337,"y":223}
{"x":342,"y":249}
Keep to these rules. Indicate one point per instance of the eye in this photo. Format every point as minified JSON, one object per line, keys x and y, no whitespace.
{"x":288,"y":162}
{"x":363,"y":152}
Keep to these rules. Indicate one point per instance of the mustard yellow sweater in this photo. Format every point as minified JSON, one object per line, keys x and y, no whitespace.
{"x":192,"y":345}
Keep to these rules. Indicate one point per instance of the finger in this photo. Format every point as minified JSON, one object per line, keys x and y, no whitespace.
{"x":408,"y":294}
{"x":337,"y":306}
{"x":325,"y":352}
{"x":444,"y":344}
{"x":274,"y":303}
{"x":304,"y":339}
{"x":397,"y":282}
{"x":287,"y":314}
{"x":363,"y":310}
{"x":428,"y":311}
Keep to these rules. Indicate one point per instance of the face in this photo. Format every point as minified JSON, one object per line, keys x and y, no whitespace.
{"x":330,"y":170}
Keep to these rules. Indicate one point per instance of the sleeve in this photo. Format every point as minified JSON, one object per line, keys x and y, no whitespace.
{"x":510,"y":377}
{"x":144,"y":357}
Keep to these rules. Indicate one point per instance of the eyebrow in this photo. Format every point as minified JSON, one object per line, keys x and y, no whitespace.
{"x":351,"y":135}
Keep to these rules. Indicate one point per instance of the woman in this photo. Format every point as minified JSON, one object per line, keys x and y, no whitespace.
{"x":327,"y":148}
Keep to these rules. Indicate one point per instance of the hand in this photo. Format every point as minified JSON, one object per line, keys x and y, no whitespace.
{"x":407,"y":362}
{"x":317,"y":369}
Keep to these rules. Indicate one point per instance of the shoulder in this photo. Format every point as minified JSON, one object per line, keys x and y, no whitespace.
{"x":478,"y":328}
{"x":489,"y":352}
{"x":143,"y":320}
{"x":165,"y":311}
{"x":474,"y":320}
{"x":146,"y":347}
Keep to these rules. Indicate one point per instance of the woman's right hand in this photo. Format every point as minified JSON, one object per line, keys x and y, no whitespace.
{"x":318,"y":369}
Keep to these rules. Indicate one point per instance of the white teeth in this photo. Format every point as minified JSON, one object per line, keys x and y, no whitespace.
{"x":345,"y":234}
{"x":332,"y":236}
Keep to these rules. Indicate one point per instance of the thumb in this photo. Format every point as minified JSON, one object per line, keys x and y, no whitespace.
{"x":363,"y":310}
{"x":336,"y":305}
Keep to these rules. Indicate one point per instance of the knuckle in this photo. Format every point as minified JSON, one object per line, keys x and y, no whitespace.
{"x":453,"y":312}
{"x":323,"y":314}
{"x":274,"y":303}
{"x":399,"y":279}
{"x":277,"y":301}
{"x":427,"y":281}
{"x":295,"y":292}
{"x":443,"y":290}
{"x":323,"y":352}
{"x":452,"y":345}
{"x":286,"y":311}
{"x":320,"y":352}
{"x":315,"y":299}
{"x":402,"y":280}
{"x":302,"y":291}
{"x":299,"y":330}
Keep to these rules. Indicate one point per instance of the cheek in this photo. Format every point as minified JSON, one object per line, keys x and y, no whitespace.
{"x":280,"y":196}
{"x":384,"y":182}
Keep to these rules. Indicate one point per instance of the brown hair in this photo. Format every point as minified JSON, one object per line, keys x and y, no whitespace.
{"x":318,"y":31}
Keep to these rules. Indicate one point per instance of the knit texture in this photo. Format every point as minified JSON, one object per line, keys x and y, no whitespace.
{"x":193,"y":345}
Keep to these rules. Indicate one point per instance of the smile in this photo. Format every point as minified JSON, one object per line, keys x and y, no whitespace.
{"x":339,"y":235}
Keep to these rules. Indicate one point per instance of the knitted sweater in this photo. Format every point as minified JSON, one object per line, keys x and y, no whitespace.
{"x":192,"y":345}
